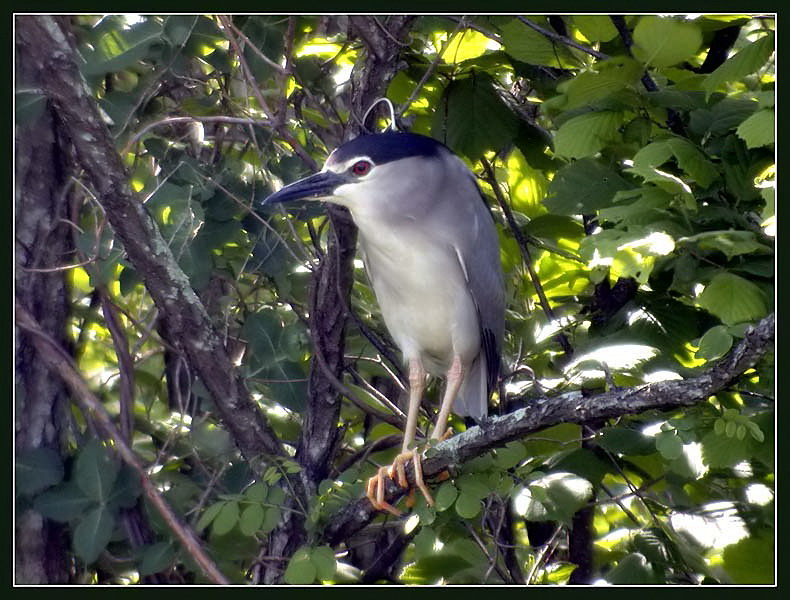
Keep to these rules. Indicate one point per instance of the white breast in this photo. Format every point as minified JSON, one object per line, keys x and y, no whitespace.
{"x":422,"y":291}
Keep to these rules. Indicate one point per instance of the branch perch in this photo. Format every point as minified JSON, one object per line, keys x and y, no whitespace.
{"x":571,"y":407}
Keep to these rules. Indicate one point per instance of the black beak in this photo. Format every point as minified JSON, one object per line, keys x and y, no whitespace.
{"x":315,"y":187}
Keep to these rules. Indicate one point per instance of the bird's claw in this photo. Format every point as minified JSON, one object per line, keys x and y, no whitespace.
{"x":397,"y":472}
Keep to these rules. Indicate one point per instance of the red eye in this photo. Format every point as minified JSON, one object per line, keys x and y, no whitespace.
{"x":361,"y":167}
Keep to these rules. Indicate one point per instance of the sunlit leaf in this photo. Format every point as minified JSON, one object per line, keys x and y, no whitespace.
{"x":587,"y":134}
{"x":525,"y":44}
{"x":596,"y":28}
{"x":746,"y":61}
{"x":751,"y":561}
{"x":715,"y":343}
{"x":583,"y":187}
{"x":663,"y":42}
{"x":758,"y":130}
{"x":733,"y":299}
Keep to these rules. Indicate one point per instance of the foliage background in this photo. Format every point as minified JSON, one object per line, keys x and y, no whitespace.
{"x":245,"y":389}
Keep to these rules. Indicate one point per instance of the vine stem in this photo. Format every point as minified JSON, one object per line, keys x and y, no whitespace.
{"x":59,"y":361}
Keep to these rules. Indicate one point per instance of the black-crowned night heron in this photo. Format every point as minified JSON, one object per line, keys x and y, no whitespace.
{"x":431,"y":253}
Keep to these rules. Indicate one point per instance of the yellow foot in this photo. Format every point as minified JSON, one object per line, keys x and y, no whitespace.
{"x":375,"y":492}
{"x":397,"y":472}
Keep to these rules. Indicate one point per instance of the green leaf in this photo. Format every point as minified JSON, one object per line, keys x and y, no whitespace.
{"x":226,"y":519}
{"x":93,"y":533}
{"x":693,"y":162}
{"x":156,"y":558}
{"x":178,"y":28}
{"x":733,"y":299}
{"x":271,"y":519}
{"x":689,"y":158}
{"x":621,"y":440}
{"x":716,"y":342}
{"x":758,"y":130}
{"x":424,"y":543}
{"x":36,"y":469}
{"x":663,"y":42}
{"x":748,"y":60}
{"x":211,"y":440}
{"x":583,"y":187}
{"x":474,"y":484}
{"x":732,"y":243}
{"x":611,"y":76}
{"x":669,"y":445}
{"x":95,"y":471}
{"x":467,"y":505}
{"x":126,"y":489}
{"x":257,"y":492}
{"x":472,"y":118}
{"x":554,"y":227}
{"x":584,"y":463}
{"x":587,"y":134}
{"x":649,"y":204}
{"x":553,"y":497}
{"x":63,"y":503}
{"x":509,"y":456}
{"x":596,"y":28}
{"x":209,"y":515}
{"x":251,"y":519}
{"x":119,"y":49}
{"x":300,"y":569}
{"x":445,"y":496}
{"x":632,"y":569}
{"x":721,"y":451}
{"x":323,"y":557}
{"x":527,"y":45}
{"x":269,"y":339}
{"x":751,"y":560}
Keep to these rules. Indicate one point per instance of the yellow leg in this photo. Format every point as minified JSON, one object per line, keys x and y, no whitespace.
{"x":397,"y":471}
{"x":375,"y":486}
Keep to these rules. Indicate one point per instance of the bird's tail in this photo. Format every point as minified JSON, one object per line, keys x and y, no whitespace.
{"x":472,"y":399}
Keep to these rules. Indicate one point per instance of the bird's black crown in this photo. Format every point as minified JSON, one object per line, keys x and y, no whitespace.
{"x":388,"y":146}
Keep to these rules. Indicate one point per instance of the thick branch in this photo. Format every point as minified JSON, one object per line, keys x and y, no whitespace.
{"x":187,"y":324}
{"x":320,"y":436}
{"x":572,"y":407}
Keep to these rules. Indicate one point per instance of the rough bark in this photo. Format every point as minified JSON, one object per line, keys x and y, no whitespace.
{"x":187,"y":325}
{"x":43,"y":241}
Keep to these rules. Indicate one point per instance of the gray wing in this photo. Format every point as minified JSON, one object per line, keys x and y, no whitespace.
{"x":478,"y":253}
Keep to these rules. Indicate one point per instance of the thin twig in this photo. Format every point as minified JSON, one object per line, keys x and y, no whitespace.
{"x":58,"y":360}
{"x":542,"y":553}
{"x":527,"y":258}
{"x":278,"y":122}
{"x":193,"y":119}
{"x":256,"y":50}
{"x":556,"y":37}
{"x":432,"y":67}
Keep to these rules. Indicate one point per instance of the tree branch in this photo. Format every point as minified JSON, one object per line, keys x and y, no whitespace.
{"x":188,"y":326}
{"x":59,"y":362}
{"x":572,"y":407}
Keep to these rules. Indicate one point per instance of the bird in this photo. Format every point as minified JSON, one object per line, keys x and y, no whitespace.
{"x":430,"y":249}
